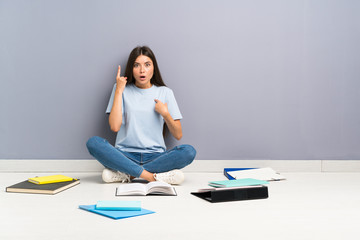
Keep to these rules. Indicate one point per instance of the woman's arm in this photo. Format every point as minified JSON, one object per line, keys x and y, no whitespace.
{"x":115,"y":117}
{"x":173,"y":125}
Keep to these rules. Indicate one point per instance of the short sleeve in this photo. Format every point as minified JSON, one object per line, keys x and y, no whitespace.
{"x":111,"y":100}
{"x":172,"y":106}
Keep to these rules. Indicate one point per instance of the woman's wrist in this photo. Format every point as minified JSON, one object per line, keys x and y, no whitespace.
{"x":166,"y":115}
{"x":119,"y":90}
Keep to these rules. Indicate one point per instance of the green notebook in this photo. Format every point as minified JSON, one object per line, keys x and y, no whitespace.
{"x":237,"y":183}
{"x":119,"y":205}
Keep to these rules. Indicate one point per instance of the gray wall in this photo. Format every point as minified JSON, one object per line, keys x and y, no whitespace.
{"x":254,"y":79}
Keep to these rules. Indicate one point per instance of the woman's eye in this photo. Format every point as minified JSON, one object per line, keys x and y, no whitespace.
{"x":148,"y":64}
{"x":136,"y":65}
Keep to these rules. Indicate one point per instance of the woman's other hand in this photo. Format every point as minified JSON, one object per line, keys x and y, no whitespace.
{"x":161,"y":107}
{"x":173,"y":125}
{"x":120,"y":81}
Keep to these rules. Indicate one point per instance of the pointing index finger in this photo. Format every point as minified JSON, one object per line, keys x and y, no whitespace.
{"x":119,"y":69}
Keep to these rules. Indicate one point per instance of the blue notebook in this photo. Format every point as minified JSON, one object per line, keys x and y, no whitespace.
{"x":115,"y":214}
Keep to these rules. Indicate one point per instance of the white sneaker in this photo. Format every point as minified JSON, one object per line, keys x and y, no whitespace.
{"x":110,"y":176}
{"x":172,"y":177}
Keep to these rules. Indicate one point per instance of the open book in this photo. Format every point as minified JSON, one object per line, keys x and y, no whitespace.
{"x":151,"y":188}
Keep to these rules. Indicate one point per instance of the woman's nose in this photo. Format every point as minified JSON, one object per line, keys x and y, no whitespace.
{"x":142,"y":69}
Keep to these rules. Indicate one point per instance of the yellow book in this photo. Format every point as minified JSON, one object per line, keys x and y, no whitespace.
{"x":50,"y":179}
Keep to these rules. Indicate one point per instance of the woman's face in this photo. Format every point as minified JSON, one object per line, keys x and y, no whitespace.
{"x":143,"y":71}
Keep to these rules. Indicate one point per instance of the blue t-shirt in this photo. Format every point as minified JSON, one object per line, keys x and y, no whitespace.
{"x":142,"y":126}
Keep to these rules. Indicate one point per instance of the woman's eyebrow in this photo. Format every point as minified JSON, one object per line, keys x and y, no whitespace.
{"x":144,"y":62}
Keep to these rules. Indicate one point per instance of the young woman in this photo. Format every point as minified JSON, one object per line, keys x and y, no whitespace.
{"x":139,"y":107}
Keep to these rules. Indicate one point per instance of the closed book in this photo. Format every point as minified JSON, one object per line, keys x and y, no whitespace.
{"x":119,"y":205}
{"x":51,"y":188}
{"x":237,"y":182}
{"x":232,"y":194}
{"x":50,"y":179}
{"x":228,"y":170}
{"x":267,"y":174}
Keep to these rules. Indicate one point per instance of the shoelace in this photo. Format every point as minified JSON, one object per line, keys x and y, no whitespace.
{"x":169,"y":176}
{"x":121,"y":176}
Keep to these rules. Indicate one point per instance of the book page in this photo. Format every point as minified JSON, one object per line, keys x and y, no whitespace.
{"x":158,"y":187}
{"x":131,"y":189}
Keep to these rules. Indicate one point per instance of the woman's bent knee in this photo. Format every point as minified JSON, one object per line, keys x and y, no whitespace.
{"x":190,"y":152}
{"x":93,"y":142}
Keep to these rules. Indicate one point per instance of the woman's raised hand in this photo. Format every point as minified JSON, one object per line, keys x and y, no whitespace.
{"x":120,"y":81}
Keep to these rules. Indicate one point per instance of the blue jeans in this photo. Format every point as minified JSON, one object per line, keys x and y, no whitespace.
{"x":134,"y":163}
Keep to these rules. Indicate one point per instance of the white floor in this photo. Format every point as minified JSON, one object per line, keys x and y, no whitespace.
{"x":305,"y":206}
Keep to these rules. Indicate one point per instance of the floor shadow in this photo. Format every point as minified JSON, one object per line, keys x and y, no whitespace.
{"x":94,"y":178}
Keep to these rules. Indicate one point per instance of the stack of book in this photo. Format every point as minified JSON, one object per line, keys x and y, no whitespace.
{"x":117,"y":209}
{"x":44,"y":185}
{"x":243,"y":184}
{"x":234,"y":190}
